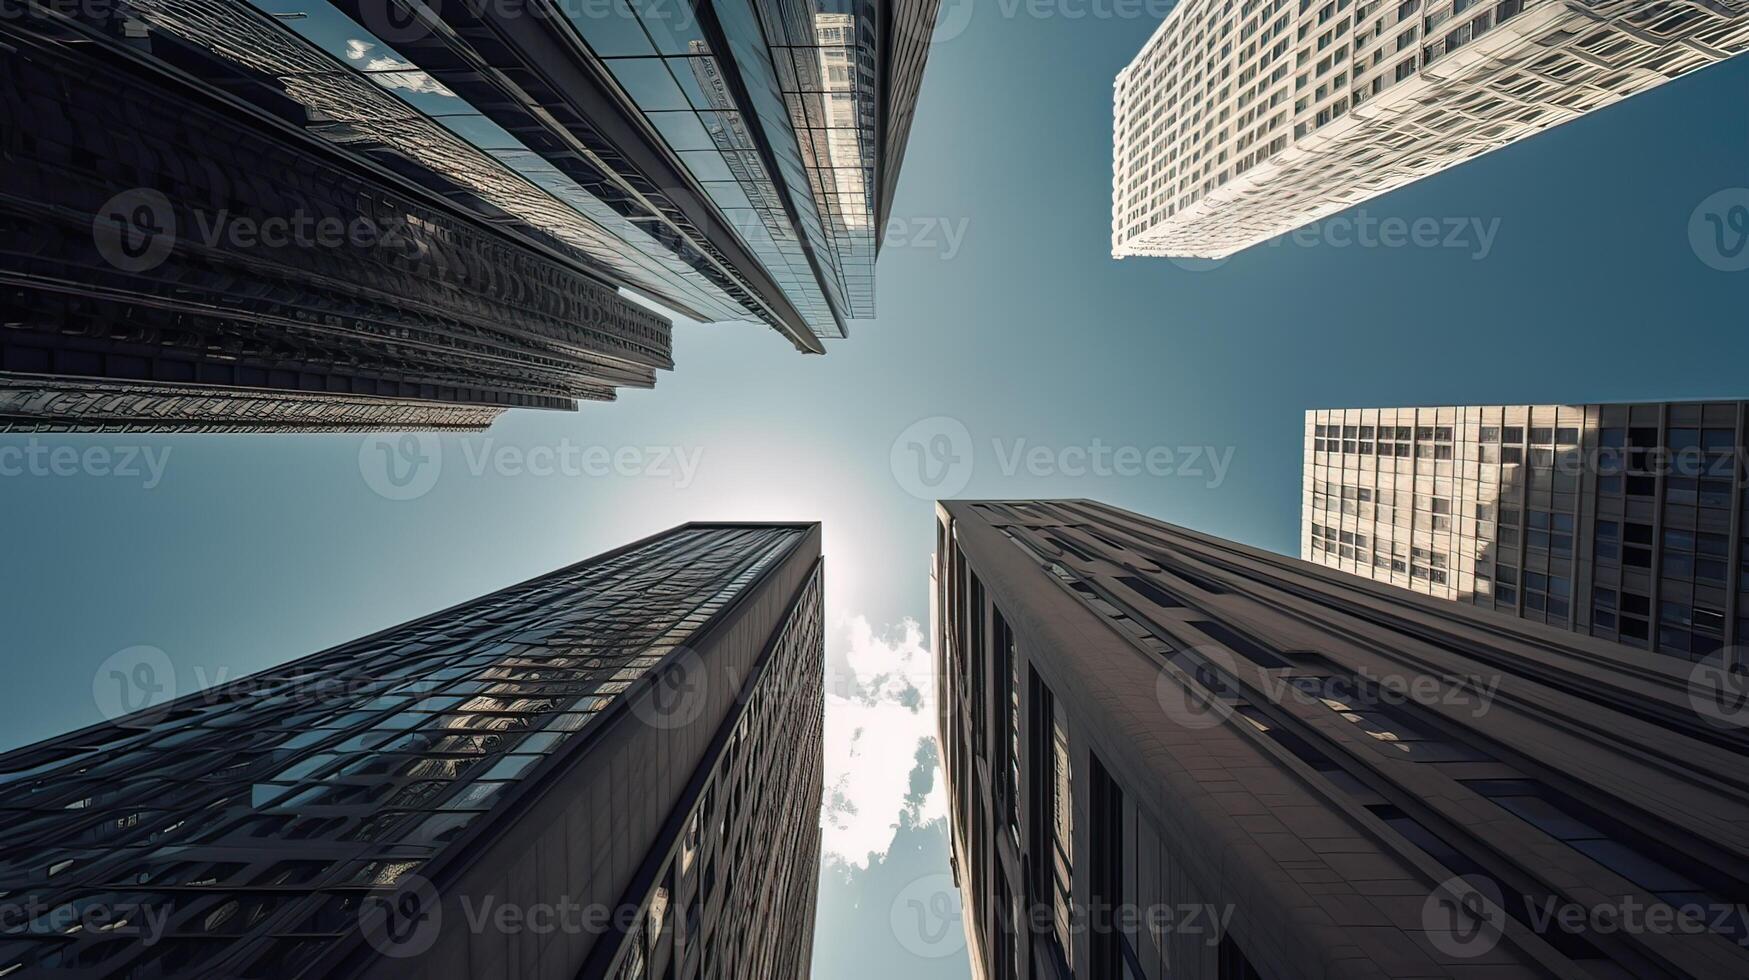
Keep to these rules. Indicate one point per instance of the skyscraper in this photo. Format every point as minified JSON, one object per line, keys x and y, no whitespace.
{"x":612,"y":770}
{"x":1622,"y":521}
{"x":366,"y":214}
{"x":1169,"y":755}
{"x":1239,"y":122}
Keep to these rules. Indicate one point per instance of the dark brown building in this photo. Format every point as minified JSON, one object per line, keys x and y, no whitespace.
{"x":1169,"y":755}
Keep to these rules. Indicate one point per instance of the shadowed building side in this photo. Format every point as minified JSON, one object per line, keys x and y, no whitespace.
{"x":609,"y":771}
{"x":426,"y":215}
{"x":1169,"y":755}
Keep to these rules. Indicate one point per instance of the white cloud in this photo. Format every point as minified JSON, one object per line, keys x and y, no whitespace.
{"x":876,"y":726}
{"x":404,"y":74}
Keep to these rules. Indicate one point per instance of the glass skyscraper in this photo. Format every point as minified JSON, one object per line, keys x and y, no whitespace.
{"x":612,"y":770}
{"x":368,"y":214}
{"x":1621,"y":521}
{"x":1172,"y":756}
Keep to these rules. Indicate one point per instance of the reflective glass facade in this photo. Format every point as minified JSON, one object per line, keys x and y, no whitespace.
{"x":1622,"y":521}
{"x":256,"y":823}
{"x":727,"y":160}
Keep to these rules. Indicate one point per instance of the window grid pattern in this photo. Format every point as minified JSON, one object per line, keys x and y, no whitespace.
{"x":1239,"y":122}
{"x":757,"y":820}
{"x":262,"y":814}
{"x":365,"y":91}
{"x":1149,"y":582}
{"x":1479,"y":505}
{"x":1622,"y":521}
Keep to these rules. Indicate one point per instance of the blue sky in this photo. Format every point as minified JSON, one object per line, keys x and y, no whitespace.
{"x":1000,"y":312}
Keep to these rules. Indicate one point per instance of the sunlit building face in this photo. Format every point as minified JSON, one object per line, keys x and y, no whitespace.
{"x":1620,"y":521}
{"x":1240,"y":122}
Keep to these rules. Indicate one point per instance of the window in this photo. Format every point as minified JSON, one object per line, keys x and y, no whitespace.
{"x":1233,"y":964}
{"x":1008,"y":703}
{"x":1608,"y":541}
{"x":1053,"y":817}
{"x":1105,"y":840}
{"x":1062,"y":816}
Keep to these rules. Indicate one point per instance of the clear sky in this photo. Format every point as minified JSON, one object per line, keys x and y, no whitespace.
{"x":1017,"y":326}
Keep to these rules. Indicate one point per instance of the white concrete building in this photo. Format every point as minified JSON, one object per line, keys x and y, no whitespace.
{"x":1624,"y":521}
{"x":1241,"y":120}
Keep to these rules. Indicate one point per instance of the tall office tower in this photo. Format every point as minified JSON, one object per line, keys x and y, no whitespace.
{"x":609,"y":771}
{"x":381,"y":214}
{"x":1272,"y":770}
{"x":1239,"y":122}
{"x":1622,"y":521}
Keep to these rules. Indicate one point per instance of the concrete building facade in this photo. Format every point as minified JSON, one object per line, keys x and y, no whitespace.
{"x":1242,"y":121}
{"x":1624,"y":522}
{"x":1169,"y":755}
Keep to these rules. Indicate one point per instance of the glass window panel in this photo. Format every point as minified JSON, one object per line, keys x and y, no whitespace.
{"x":693,"y":76}
{"x":707,"y":165}
{"x":648,"y":82}
{"x":480,"y":131}
{"x":609,"y":26}
{"x":671,"y":24}
{"x":682,"y":130}
{"x":420,"y":91}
